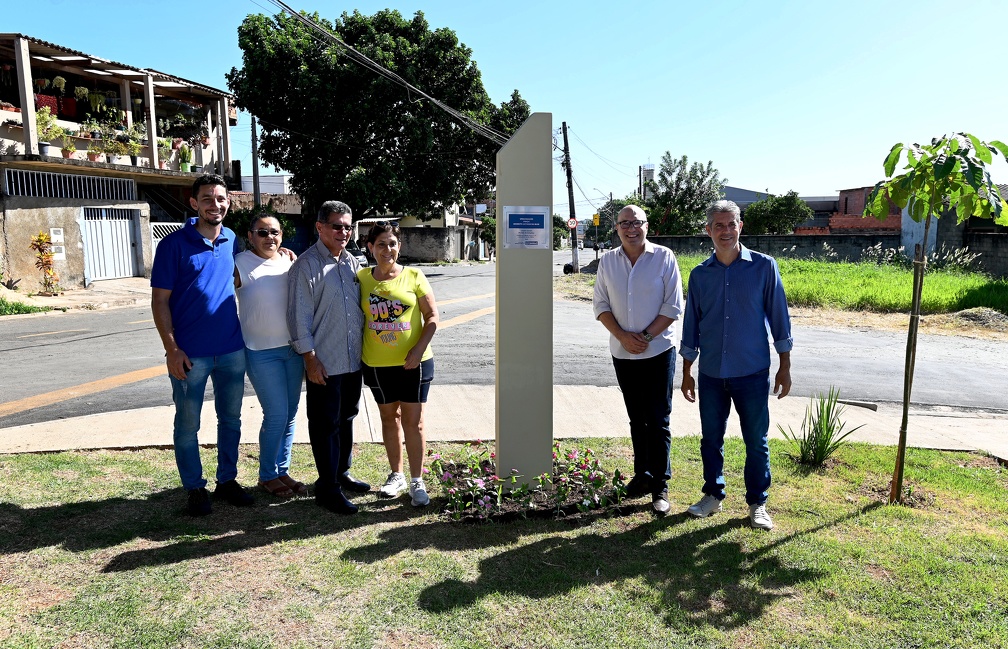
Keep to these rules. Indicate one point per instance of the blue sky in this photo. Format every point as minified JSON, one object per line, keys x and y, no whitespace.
{"x":780,"y":95}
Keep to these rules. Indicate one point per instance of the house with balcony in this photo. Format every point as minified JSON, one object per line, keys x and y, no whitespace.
{"x":132,"y":140}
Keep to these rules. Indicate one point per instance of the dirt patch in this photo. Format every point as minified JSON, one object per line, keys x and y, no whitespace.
{"x":981,"y":322}
{"x":914,"y":496}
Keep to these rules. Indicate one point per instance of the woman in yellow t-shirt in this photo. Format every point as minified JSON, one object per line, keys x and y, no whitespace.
{"x":400,"y":320}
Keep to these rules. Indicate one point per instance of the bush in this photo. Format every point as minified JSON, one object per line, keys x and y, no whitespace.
{"x":821,"y":430}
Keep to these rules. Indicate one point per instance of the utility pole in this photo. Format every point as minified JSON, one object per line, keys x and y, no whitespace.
{"x":570,"y":199}
{"x":255,"y":166}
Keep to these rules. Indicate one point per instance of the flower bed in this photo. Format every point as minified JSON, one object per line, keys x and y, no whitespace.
{"x":475,"y":492}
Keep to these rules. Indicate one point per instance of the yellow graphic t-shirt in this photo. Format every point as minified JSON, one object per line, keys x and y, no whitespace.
{"x":392,"y":319}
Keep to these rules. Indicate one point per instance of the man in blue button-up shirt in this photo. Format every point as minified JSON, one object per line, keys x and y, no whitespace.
{"x":733,"y":299}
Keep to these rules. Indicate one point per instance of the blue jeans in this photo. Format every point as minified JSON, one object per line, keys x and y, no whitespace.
{"x":646,"y":385}
{"x":750,"y":395}
{"x":227,"y":373}
{"x":331,"y":411}
{"x":276,"y":376}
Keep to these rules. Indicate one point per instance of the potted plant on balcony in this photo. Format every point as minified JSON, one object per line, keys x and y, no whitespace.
{"x":133,"y":147}
{"x":114,"y":149}
{"x":95,"y":150}
{"x":185,"y":157}
{"x":48,"y":130}
{"x":92,"y":128}
{"x":68,"y":144}
{"x":164,"y":149}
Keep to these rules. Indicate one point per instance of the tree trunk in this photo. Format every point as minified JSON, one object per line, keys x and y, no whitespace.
{"x":919,"y":264}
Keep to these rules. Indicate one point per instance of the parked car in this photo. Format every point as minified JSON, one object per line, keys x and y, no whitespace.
{"x":358,"y":254}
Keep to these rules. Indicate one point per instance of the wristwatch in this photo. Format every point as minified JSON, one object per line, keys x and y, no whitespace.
{"x":647,"y":336}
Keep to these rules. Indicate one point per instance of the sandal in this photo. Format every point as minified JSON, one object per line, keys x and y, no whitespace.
{"x":299,"y":488}
{"x":277,"y":487}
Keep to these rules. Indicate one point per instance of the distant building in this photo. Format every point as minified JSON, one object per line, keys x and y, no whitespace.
{"x":645,"y":174}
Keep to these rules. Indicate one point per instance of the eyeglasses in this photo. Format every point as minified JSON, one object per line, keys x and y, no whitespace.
{"x":339,"y":226}
{"x":263,"y":232}
{"x":626,"y":225}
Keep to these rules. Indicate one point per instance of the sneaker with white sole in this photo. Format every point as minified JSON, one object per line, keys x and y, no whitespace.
{"x":759,"y":517}
{"x":418,"y":492}
{"x":705,"y":507}
{"x":394,"y":485}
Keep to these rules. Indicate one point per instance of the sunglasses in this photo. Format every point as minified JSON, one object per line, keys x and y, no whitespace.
{"x":263,"y":232}
{"x":338,"y":226}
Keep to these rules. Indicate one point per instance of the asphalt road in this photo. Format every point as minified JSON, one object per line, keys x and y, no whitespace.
{"x":56,"y":352}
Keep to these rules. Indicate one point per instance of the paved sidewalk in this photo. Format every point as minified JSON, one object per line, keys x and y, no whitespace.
{"x":463,"y":412}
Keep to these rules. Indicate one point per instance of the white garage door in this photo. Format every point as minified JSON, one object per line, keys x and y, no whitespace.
{"x":110,"y":243}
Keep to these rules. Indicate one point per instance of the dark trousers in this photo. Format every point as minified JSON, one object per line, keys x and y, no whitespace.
{"x":647,"y":392}
{"x":331,"y":409}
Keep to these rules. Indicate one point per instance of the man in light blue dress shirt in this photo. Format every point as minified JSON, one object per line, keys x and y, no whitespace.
{"x":638,"y":298}
{"x":326,"y":326}
{"x":733,"y":299}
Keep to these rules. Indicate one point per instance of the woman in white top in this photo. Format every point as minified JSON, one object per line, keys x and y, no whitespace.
{"x":273,"y":367}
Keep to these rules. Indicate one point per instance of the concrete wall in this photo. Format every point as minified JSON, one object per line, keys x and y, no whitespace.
{"x":21,"y":218}
{"x":846,"y":246}
{"x":428,"y":244}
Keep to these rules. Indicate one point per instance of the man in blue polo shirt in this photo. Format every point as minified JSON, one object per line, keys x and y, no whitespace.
{"x":196,"y":315}
{"x":732,"y":299}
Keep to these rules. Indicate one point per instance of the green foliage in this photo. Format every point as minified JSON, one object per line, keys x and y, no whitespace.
{"x":8,"y":307}
{"x":680,"y":196}
{"x":239,"y":220}
{"x":488,"y":231}
{"x":342,"y":130}
{"x":951,"y":169}
{"x":48,"y":130}
{"x":560,"y":231}
{"x":822,"y":430}
{"x":185,"y":153}
{"x":776,"y":214}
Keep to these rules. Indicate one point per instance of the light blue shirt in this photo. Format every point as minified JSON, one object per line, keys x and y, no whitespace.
{"x":636,"y":294}
{"x":729,"y":310}
{"x":323,"y":312}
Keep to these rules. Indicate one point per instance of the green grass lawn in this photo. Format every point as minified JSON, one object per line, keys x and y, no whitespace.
{"x":96,"y":552}
{"x":855,"y":287}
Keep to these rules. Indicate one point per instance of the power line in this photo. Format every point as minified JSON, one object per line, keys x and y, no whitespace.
{"x":480,"y":129}
{"x":609,"y":163}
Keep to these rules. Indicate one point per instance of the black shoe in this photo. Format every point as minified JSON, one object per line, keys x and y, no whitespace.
{"x":350,"y":483}
{"x":637,"y":487}
{"x":233,"y":493}
{"x":199,"y":502}
{"x":335,"y":502}
{"x":659,"y":501}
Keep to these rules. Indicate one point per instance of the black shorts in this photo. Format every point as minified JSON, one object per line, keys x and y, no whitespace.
{"x":391,"y":384}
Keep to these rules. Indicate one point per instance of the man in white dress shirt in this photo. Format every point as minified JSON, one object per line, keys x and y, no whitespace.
{"x":638,"y":298}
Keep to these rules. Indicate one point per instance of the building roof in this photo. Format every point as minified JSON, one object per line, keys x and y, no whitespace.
{"x":98,"y":67}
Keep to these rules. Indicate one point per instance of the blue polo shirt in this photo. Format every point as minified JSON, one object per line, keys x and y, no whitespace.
{"x":200,"y":275}
{"x":729,"y":312}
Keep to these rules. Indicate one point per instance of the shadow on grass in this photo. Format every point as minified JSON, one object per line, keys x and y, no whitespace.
{"x":159,"y":523}
{"x":708,"y":574}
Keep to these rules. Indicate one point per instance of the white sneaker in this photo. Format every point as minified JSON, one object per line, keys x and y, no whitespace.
{"x":705,"y":507}
{"x":394,"y":485}
{"x":759,"y":517}
{"x":418,"y":492}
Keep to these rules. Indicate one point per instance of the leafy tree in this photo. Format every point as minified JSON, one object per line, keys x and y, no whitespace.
{"x":344,"y":131}
{"x":560,"y":231}
{"x":950,"y":171}
{"x":488,"y":230}
{"x":681,"y":194}
{"x":776,"y":214}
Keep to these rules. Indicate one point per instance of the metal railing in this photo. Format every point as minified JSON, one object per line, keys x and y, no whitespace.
{"x":45,"y":184}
